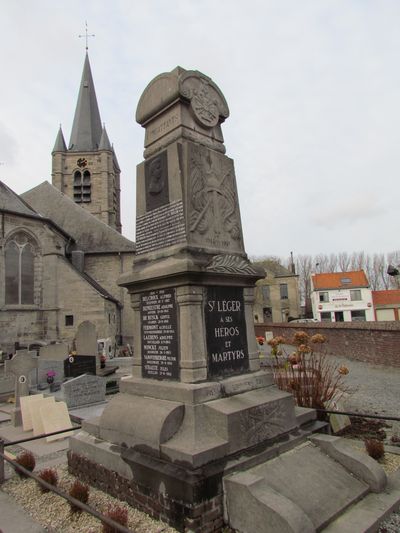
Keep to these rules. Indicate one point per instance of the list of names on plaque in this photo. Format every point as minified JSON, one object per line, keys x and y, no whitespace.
{"x":159,"y":334}
{"x":226,"y":331}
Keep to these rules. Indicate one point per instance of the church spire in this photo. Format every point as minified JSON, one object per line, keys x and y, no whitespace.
{"x":86,"y":129}
{"x":59,"y":145}
{"x":104,"y":141}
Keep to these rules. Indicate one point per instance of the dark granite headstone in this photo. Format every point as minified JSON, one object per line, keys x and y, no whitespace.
{"x":226,"y":331}
{"x":76,"y":365}
{"x":159,"y":334}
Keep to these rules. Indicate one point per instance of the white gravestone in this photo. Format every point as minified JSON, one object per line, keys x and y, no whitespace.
{"x":28,"y":405}
{"x":39,"y":413}
{"x":55,"y":418}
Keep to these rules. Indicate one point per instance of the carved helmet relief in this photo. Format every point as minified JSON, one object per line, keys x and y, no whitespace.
{"x":206,"y":100}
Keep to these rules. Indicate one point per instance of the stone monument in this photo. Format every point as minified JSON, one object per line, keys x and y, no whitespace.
{"x":197,"y":407}
{"x":85,"y":359}
{"x":21,"y":365}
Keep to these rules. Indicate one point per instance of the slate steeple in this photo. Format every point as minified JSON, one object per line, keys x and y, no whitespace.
{"x":59,"y":145}
{"x":88,"y":171}
{"x":86,"y":129}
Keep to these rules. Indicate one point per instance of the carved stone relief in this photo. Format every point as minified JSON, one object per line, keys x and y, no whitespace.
{"x":214,"y":208}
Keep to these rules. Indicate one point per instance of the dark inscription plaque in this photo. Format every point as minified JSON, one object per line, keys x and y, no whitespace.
{"x":156,"y":176}
{"x":159,"y":334}
{"x":160,"y":228}
{"x":77,"y":365}
{"x":226,"y":331}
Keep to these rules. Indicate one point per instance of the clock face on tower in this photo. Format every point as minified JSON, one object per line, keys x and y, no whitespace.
{"x":81,"y":162}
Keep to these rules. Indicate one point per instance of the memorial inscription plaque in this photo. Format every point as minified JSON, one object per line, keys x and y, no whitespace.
{"x":225,"y":331}
{"x":159,"y":334}
{"x":77,"y":365}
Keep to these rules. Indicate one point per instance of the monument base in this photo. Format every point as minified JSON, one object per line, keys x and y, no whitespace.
{"x":164,"y":447}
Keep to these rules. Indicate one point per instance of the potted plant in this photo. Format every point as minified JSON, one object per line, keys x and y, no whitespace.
{"x":50,"y":376}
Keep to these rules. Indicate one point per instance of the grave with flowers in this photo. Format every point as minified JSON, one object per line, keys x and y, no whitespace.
{"x":198,"y":435}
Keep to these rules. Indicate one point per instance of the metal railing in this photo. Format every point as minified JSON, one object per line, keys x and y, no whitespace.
{"x":73,"y":501}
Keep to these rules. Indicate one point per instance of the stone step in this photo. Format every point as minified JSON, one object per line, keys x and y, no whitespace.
{"x":302,"y":490}
{"x":366,"y":515}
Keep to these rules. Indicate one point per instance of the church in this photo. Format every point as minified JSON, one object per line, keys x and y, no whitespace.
{"x":61,"y":247}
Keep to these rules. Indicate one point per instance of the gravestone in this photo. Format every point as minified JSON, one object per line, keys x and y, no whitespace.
{"x":55,"y":417}
{"x":84,"y":390}
{"x":38,"y":414}
{"x":28,"y":405}
{"x":84,"y":360}
{"x":51,"y":359}
{"x":21,"y":366}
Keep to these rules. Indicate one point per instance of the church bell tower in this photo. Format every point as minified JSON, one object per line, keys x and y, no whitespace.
{"x":88,"y":171}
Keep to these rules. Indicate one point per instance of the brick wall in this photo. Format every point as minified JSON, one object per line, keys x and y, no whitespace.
{"x":372,"y":342}
{"x":200,"y":517}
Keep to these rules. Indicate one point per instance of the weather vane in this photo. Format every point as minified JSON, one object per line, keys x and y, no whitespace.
{"x":87,"y":35}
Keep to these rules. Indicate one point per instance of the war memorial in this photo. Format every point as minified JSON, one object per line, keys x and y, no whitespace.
{"x":199,"y":436}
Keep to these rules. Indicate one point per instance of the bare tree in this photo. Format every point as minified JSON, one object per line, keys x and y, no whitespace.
{"x":343,"y":261}
{"x":304,"y":269}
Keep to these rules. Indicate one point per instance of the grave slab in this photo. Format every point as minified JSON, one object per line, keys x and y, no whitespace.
{"x":39,"y":413}
{"x":55,"y":418}
{"x":84,"y":390}
{"x":28,"y":404}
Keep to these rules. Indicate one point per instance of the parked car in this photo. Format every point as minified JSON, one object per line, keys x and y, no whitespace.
{"x":303,"y":320}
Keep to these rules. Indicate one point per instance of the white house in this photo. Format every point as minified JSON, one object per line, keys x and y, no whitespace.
{"x":341,"y":297}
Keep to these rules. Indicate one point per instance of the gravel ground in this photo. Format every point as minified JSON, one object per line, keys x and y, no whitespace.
{"x":53,"y":512}
{"x":376,"y":389}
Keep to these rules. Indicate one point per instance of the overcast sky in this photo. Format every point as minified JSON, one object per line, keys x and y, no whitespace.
{"x":313,"y":88}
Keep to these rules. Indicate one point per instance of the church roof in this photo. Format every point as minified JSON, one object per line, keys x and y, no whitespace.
{"x":86,"y":129}
{"x":90,"y":233}
{"x":59,"y":145}
{"x":10,"y":201}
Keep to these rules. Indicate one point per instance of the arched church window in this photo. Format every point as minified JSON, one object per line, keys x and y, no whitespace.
{"x":19,"y":270}
{"x":82,"y":186}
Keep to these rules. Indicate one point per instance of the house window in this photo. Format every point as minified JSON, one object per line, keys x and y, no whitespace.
{"x":323,"y":297}
{"x":284,"y":291}
{"x":19,"y":267}
{"x":358,"y":316}
{"x":82,"y":186}
{"x":326,"y":317}
{"x":265,"y":292}
{"x":267,"y":314}
{"x":69,"y":320}
{"x":355,"y":295}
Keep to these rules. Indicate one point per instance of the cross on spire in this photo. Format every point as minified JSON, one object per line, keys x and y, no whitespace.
{"x":87,"y":35}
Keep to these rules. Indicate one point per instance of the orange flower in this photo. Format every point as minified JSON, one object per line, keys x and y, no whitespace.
{"x":343,"y":370}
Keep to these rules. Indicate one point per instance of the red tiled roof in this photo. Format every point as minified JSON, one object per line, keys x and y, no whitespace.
{"x":340,"y":280}
{"x":386,"y":297}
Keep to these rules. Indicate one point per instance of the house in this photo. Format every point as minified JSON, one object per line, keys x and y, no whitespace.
{"x":61,"y":247}
{"x":341,"y":297}
{"x":386,"y":305}
{"x":277,"y":295}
